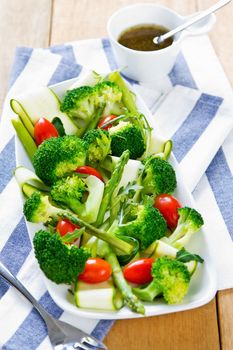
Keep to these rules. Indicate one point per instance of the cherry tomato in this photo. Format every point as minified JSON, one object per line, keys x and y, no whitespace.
{"x":64,"y":226}
{"x":105,"y":120}
{"x":96,"y":270}
{"x":89,"y":171}
{"x":139,"y":271}
{"x":43,"y":130}
{"x":168,"y":205}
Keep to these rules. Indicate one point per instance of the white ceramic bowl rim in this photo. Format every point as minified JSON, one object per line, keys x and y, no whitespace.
{"x":176,"y":39}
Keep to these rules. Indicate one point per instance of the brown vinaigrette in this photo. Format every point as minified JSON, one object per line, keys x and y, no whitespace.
{"x":140,"y":37}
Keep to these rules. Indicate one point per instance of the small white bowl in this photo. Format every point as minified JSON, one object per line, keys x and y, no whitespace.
{"x":150,"y":66}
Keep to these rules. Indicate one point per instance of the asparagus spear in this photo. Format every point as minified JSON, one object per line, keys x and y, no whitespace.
{"x":25,"y":137}
{"x":111,"y":186}
{"x":111,"y":239}
{"x":131,"y":300}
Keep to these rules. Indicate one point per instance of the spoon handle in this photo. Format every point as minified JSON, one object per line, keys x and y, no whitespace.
{"x":201,"y":15}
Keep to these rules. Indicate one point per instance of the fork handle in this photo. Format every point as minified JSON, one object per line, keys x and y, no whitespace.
{"x":11,"y":279}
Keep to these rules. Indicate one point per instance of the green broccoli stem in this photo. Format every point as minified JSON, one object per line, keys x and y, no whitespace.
{"x":148,"y":293}
{"x":111,"y":239}
{"x":111,"y":186}
{"x":95,"y":119}
{"x":183,"y":241}
{"x":131,"y":300}
{"x":180,"y":231}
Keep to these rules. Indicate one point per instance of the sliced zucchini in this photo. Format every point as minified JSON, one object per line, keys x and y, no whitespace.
{"x":96,"y":190}
{"x":41,"y":102}
{"x":101,"y":296}
{"x":159,"y":146}
{"x":28,"y":190}
{"x":128,"y":98}
{"x":89,"y":78}
{"x":25,"y":176}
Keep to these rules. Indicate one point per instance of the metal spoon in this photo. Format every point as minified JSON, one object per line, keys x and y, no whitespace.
{"x":201,"y":15}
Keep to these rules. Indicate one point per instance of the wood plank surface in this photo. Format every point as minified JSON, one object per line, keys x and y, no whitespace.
{"x":225,"y":317}
{"x":88,"y":18}
{"x":38,"y":23}
{"x":190,"y":330}
{"x":22,"y":23}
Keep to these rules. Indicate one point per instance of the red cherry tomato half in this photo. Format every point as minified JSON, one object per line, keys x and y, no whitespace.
{"x":139,"y":271}
{"x":43,"y":130}
{"x":168,"y":205}
{"x":65,"y":226}
{"x":96,"y":270}
{"x":89,"y":171}
{"x":105,"y":120}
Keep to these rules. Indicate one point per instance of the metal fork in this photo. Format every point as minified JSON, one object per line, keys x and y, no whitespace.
{"x":62,"y":335}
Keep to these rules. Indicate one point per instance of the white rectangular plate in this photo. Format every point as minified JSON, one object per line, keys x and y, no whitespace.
{"x":203,"y":284}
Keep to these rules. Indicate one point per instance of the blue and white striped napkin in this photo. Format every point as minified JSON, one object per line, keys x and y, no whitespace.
{"x":193,"y":107}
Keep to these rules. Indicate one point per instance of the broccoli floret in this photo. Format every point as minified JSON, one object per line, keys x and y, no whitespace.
{"x":125,"y":136}
{"x":98,"y":145}
{"x":80,"y":103}
{"x":82,"y":196}
{"x":60,"y":262}
{"x":37,"y":208}
{"x":157,"y":177}
{"x":69,"y":191}
{"x":110,"y":95}
{"x":190,"y":221}
{"x":143,"y":222}
{"x":58,"y":157}
{"x":83,"y":103}
{"x":171,"y":278}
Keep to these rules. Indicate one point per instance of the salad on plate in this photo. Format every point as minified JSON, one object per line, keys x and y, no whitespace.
{"x":110,"y":228}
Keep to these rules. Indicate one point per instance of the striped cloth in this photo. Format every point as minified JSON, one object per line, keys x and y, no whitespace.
{"x":193,"y":107}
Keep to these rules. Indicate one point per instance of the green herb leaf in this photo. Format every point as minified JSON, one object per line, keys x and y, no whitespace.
{"x":184,"y":256}
{"x":59,"y":126}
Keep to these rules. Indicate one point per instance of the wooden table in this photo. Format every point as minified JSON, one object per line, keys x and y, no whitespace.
{"x":40,"y":23}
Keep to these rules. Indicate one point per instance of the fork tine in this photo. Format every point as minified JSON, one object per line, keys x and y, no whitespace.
{"x":81,"y":346}
{"x":93,"y":342}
